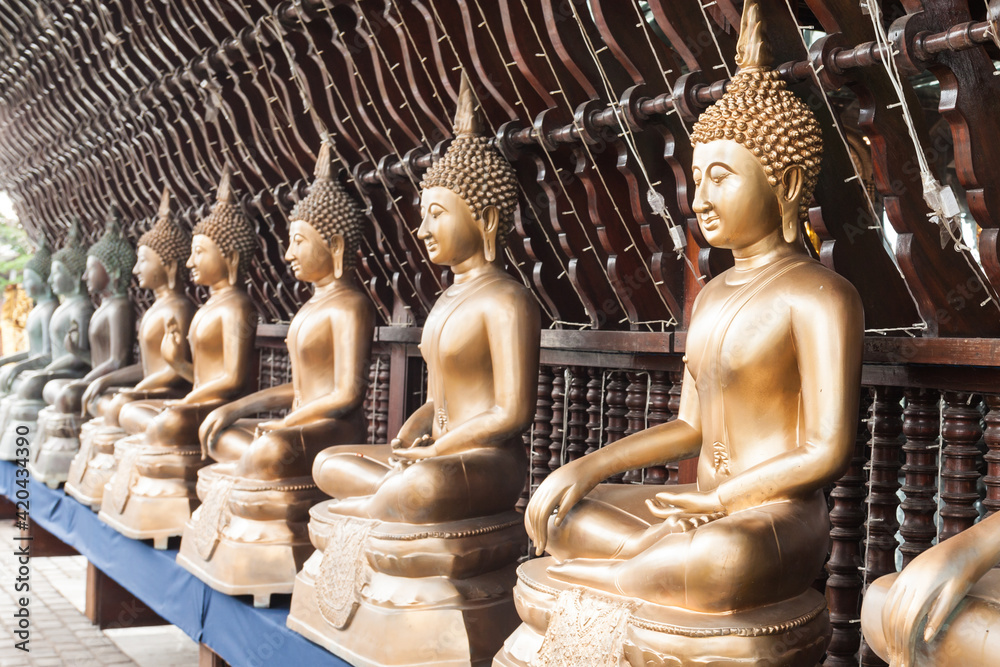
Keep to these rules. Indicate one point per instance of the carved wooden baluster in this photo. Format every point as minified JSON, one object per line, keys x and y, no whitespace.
{"x":960,"y":431}
{"x":920,"y":426}
{"x":542,"y":429}
{"x":370,"y":398}
{"x":674,"y":405}
{"x":576,"y":424}
{"x":992,"y":437}
{"x":843,"y":588}
{"x":886,"y":425}
{"x":382,"y":400}
{"x":659,"y":413}
{"x":595,"y":418}
{"x":614,"y":399}
{"x":635,"y":401}
{"x":558,"y":415}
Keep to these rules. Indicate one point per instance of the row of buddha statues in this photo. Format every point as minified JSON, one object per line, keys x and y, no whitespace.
{"x":410,"y":553}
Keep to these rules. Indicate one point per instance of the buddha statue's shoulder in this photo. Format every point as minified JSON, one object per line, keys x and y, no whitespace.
{"x":353,"y":301}
{"x":809,"y":277}
{"x":820,"y":295}
{"x":508,"y":297}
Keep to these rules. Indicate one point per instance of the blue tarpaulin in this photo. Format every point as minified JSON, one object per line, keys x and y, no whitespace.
{"x":232,"y":627}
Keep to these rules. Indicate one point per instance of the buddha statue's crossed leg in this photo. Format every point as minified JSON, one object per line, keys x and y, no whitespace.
{"x":626,"y":550}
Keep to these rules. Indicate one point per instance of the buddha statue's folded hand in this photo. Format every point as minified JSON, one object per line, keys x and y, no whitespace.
{"x":72,"y":339}
{"x":930,"y":588}
{"x":558,"y":494}
{"x":217,"y":421}
{"x":420,"y":448}
{"x":687,"y":510}
{"x":172,"y":343}
{"x":94,"y":390}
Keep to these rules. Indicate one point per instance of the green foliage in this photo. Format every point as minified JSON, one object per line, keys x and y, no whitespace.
{"x":15,"y":250}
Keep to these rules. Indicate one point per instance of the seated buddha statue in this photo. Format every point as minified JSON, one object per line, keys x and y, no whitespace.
{"x":35,"y":280}
{"x":159,"y":267}
{"x":943,"y":609}
{"x":420,"y":541}
{"x":718,"y":572}
{"x":111,"y":334}
{"x":39,"y":352}
{"x":250,"y":534}
{"x":152,"y":492}
{"x":70,"y":346}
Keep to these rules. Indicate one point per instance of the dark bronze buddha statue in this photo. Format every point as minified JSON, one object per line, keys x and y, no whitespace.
{"x":39,"y":353}
{"x":68,"y":339}
{"x":161,"y":254}
{"x":110,"y":337}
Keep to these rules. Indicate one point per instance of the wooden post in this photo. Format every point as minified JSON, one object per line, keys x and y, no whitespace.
{"x":992,"y":437}
{"x":843,"y":588}
{"x":209,"y":658}
{"x":886,"y":425}
{"x":109,"y":605}
{"x":920,"y":426}
{"x":960,"y":431}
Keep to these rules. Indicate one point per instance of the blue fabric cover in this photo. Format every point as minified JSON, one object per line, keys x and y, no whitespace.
{"x":232,"y":627}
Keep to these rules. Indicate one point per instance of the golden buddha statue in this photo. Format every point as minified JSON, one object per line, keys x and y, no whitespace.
{"x":250,"y":534}
{"x":69,"y":343}
{"x":718,"y":572}
{"x":420,"y":542}
{"x":152,"y":492}
{"x":110,"y":335}
{"x":942,"y":609}
{"x":160,"y":268}
{"x":39,"y":353}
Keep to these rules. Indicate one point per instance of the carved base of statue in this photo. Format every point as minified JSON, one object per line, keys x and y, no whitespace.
{"x":249,"y":537}
{"x":380,"y":594}
{"x":965,"y":640}
{"x":57,"y":443}
{"x":94,"y":464}
{"x":573,"y":625}
{"x":152,"y":492}
{"x":22,"y":421}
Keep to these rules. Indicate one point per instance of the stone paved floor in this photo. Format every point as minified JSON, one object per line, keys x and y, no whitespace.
{"x":62,"y":635}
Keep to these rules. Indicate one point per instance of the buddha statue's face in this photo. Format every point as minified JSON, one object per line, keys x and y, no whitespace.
{"x":149,"y":268}
{"x":308,"y":253}
{"x":448,"y":229}
{"x":96,"y":276}
{"x":207,"y":263}
{"x":33,"y":284}
{"x":62,"y":281}
{"x":735,"y":205}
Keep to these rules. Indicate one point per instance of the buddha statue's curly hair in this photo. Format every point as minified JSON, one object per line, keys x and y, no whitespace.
{"x":73,"y":254}
{"x":166,"y":238}
{"x":474,"y":169}
{"x":115,"y":253}
{"x":330,"y":210}
{"x":228,"y":227}
{"x":760,"y":113}
{"x":41,"y":261}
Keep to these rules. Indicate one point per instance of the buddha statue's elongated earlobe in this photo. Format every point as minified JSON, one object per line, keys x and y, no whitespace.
{"x":490,"y":217}
{"x":788,"y":202}
{"x":337,"y":252}
{"x":233,"y":266}
{"x":171,"y":270}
